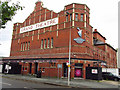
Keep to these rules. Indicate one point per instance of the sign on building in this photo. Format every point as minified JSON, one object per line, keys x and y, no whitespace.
{"x":94,"y":71}
{"x":43,"y":24}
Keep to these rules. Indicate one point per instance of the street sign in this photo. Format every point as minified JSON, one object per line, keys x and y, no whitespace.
{"x":68,"y":65}
{"x":94,"y":71}
{"x":59,"y":65}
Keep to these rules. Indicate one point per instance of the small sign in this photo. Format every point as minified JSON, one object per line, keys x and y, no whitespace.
{"x":94,"y":71}
{"x":68,"y":65}
{"x":59,"y":65}
{"x":78,"y":72}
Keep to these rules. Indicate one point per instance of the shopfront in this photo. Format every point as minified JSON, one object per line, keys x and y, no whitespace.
{"x":79,"y":70}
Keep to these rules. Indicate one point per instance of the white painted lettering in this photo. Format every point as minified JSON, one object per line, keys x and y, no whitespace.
{"x":39,"y":25}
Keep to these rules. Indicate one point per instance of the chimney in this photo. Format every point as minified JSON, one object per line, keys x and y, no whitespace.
{"x":39,"y":3}
{"x":95,"y":30}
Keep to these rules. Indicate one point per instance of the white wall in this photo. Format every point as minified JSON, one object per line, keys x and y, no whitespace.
{"x":0,"y":68}
{"x":112,"y":70}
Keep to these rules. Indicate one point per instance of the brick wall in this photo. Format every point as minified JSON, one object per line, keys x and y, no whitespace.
{"x":32,"y":40}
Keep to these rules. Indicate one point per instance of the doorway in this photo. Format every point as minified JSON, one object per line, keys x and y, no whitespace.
{"x":36,"y":67}
{"x":65,"y":69}
{"x":78,"y":70}
{"x":30,"y":64}
{"x":3,"y":68}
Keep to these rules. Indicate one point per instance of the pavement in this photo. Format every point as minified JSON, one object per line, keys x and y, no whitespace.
{"x":74,"y":83}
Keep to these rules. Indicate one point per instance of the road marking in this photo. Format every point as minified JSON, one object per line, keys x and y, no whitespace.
{"x":25,"y":87}
{"x":6,"y":83}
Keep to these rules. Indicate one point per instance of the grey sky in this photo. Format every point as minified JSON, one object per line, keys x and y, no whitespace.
{"x":103,"y":16}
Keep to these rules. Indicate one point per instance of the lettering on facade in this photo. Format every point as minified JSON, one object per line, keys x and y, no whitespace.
{"x":43,"y":24}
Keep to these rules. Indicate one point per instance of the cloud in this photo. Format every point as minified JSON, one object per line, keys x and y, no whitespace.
{"x":5,"y":48}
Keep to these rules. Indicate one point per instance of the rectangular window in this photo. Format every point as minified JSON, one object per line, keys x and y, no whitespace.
{"x":24,"y":23}
{"x":28,"y":45}
{"x":48,"y":44}
{"x":21,"y":46}
{"x":52,"y":42}
{"x":43,"y":70}
{"x":82,"y":17}
{"x":45,"y":44}
{"x":66,"y":18}
{"x":29,"y":21}
{"x":76,"y":17}
{"x":70,"y":17}
{"x":42,"y":44}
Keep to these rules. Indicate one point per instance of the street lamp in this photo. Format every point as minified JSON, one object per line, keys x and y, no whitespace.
{"x":69,"y":53}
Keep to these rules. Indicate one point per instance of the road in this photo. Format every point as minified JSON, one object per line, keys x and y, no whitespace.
{"x":12,"y":83}
{"x":33,"y":83}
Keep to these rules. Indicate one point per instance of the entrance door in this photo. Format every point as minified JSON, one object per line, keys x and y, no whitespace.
{"x":65,"y":69}
{"x":78,"y":72}
{"x":3,"y":69}
{"x":15,"y":68}
{"x":36,"y":68}
{"x":30,"y":68}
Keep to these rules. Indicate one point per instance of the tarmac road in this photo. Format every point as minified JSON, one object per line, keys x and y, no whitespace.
{"x":12,"y":83}
{"x":31,"y":83}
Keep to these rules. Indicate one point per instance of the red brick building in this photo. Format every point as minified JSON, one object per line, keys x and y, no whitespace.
{"x":41,"y":42}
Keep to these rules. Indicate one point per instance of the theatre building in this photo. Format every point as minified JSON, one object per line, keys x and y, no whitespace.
{"x":45,"y":40}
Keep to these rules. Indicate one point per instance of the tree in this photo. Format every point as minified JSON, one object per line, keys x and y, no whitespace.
{"x":7,"y":12}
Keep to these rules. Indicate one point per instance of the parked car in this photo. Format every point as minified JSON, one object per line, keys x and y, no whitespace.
{"x":110,"y":76}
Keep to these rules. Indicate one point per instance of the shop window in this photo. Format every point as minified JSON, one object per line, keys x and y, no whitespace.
{"x":54,"y":64}
{"x":40,"y":68}
{"x":43,"y":70}
{"x":88,"y":65}
{"x":79,"y":64}
{"x":25,"y":68}
{"x":94,"y":63}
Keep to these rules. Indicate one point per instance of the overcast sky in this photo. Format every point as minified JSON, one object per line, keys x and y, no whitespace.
{"x":103,"y":17}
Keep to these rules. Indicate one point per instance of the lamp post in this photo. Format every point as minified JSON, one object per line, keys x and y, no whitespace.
{"x":69,"y":53}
